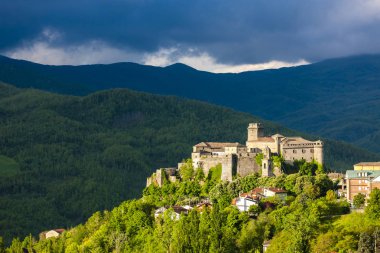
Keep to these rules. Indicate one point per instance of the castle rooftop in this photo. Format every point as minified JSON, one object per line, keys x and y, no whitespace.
{"x":219,"y":144}
{"x":265,"y":139}
{"x":368,"y":164}
{"x":298,"y":141}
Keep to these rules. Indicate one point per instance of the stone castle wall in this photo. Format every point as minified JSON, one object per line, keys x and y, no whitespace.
{"x":308,"y":152}
{"x":232,"y":164}
{"x":318,"y":154}
{"x":228,"y":167}
{"x":246,"y":165}
{"x":205,"y":162}
{"x":240,"y":160}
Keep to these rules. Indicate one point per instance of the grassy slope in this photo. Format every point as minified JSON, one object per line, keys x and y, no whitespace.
{"x":82,"y":154}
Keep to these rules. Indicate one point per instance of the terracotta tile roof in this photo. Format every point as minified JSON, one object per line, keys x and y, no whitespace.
{"x":219,"y":144}
{"x":258,"y":190}
{"x":265,"y":139}
{"x":59,"y":230}
{"x":277,"y":190}
{"x":253,"y":194}
{"x":179,"y":209}
{"x":299,"y":141}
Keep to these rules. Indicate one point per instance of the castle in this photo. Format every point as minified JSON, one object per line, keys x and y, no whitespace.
{"x":238,"y":159}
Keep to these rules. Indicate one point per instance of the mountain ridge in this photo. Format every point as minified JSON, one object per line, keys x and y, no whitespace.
{"x":100,"y":148}
{"x":336,"y":98}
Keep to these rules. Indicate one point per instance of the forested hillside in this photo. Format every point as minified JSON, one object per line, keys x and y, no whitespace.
{"x":64,"y":157}
{"x":309,"y":219}
{"x":337,"y":99}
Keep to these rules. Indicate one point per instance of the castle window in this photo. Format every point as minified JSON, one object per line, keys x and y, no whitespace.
{"x":265,"y":166}
{"x":311,"y":150}
{"x":303,"y":151}
{"x":294,"y":151}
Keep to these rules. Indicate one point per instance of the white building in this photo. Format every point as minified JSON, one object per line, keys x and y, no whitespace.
{"x":176,"y":212}
{"x":271,"y":192}
{"x":243,"y":203}
{"x":54,"y":233}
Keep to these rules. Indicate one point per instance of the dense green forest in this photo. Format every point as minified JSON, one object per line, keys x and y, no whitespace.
{"x":310,"y":219}
{"x":336,"y":98}
{"x":65,"y":157}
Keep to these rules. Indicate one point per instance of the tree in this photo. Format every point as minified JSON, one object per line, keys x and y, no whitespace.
{"x":278,"y":161}
{"x":324,"y":183}
{"x":305,"y":185}
{"x":320,"y":169}
{"x":366,"y":243}
{"x":2,"y":250}
{"x":254,"y":210}
{"x":373,"y":207}
{"x":308,"y":169}
{"x":330,"y":195}
{"x":199,"y":174}
{"x":290,"y":182}
{"x":326,"y":242}
{"x":187,"y":171}
{"x":359,"y":200}
{"x":251,"y":237}
{"x":259,"y":158}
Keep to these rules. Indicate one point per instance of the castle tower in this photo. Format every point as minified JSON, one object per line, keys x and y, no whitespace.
{"x":255,"y":131}
{"x":318,"y":152}
{"x":227,"y":167}
{"x":266,"y":167}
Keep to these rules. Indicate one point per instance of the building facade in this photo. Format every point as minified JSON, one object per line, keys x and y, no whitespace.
{"x":367,"y":166}
{"x":361,"y":181}
{"x":243,"y":203}
{"x":290,"y":148}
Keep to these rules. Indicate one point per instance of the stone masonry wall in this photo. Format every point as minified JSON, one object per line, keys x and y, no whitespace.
{"x":246,"y":165}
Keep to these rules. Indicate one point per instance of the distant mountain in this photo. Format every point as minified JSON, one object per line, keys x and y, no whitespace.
{"x":64,"y":157}
{"x":338,"y":98}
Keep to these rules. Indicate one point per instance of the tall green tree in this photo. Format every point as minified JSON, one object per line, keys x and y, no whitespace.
{"x":359,"y":200}
{"x":373,"y":207}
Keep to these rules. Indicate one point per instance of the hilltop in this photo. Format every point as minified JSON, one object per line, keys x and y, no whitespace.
{"x":66,"y":157}
{"x":337,"y":98}
{"x":201,"y":213}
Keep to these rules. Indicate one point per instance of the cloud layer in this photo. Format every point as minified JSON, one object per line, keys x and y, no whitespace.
{"x":215,"y":35}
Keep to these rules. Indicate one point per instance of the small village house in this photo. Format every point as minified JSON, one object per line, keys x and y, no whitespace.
{"x":54,"y":233}
{"x":177,"y":211}
{"x":243,"y":203}
{"x":253,"y":197}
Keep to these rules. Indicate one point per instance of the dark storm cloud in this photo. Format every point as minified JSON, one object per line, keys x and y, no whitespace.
{"x":242,"y":31}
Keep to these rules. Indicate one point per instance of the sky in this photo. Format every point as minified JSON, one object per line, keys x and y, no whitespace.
{"x":211,"y":35}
